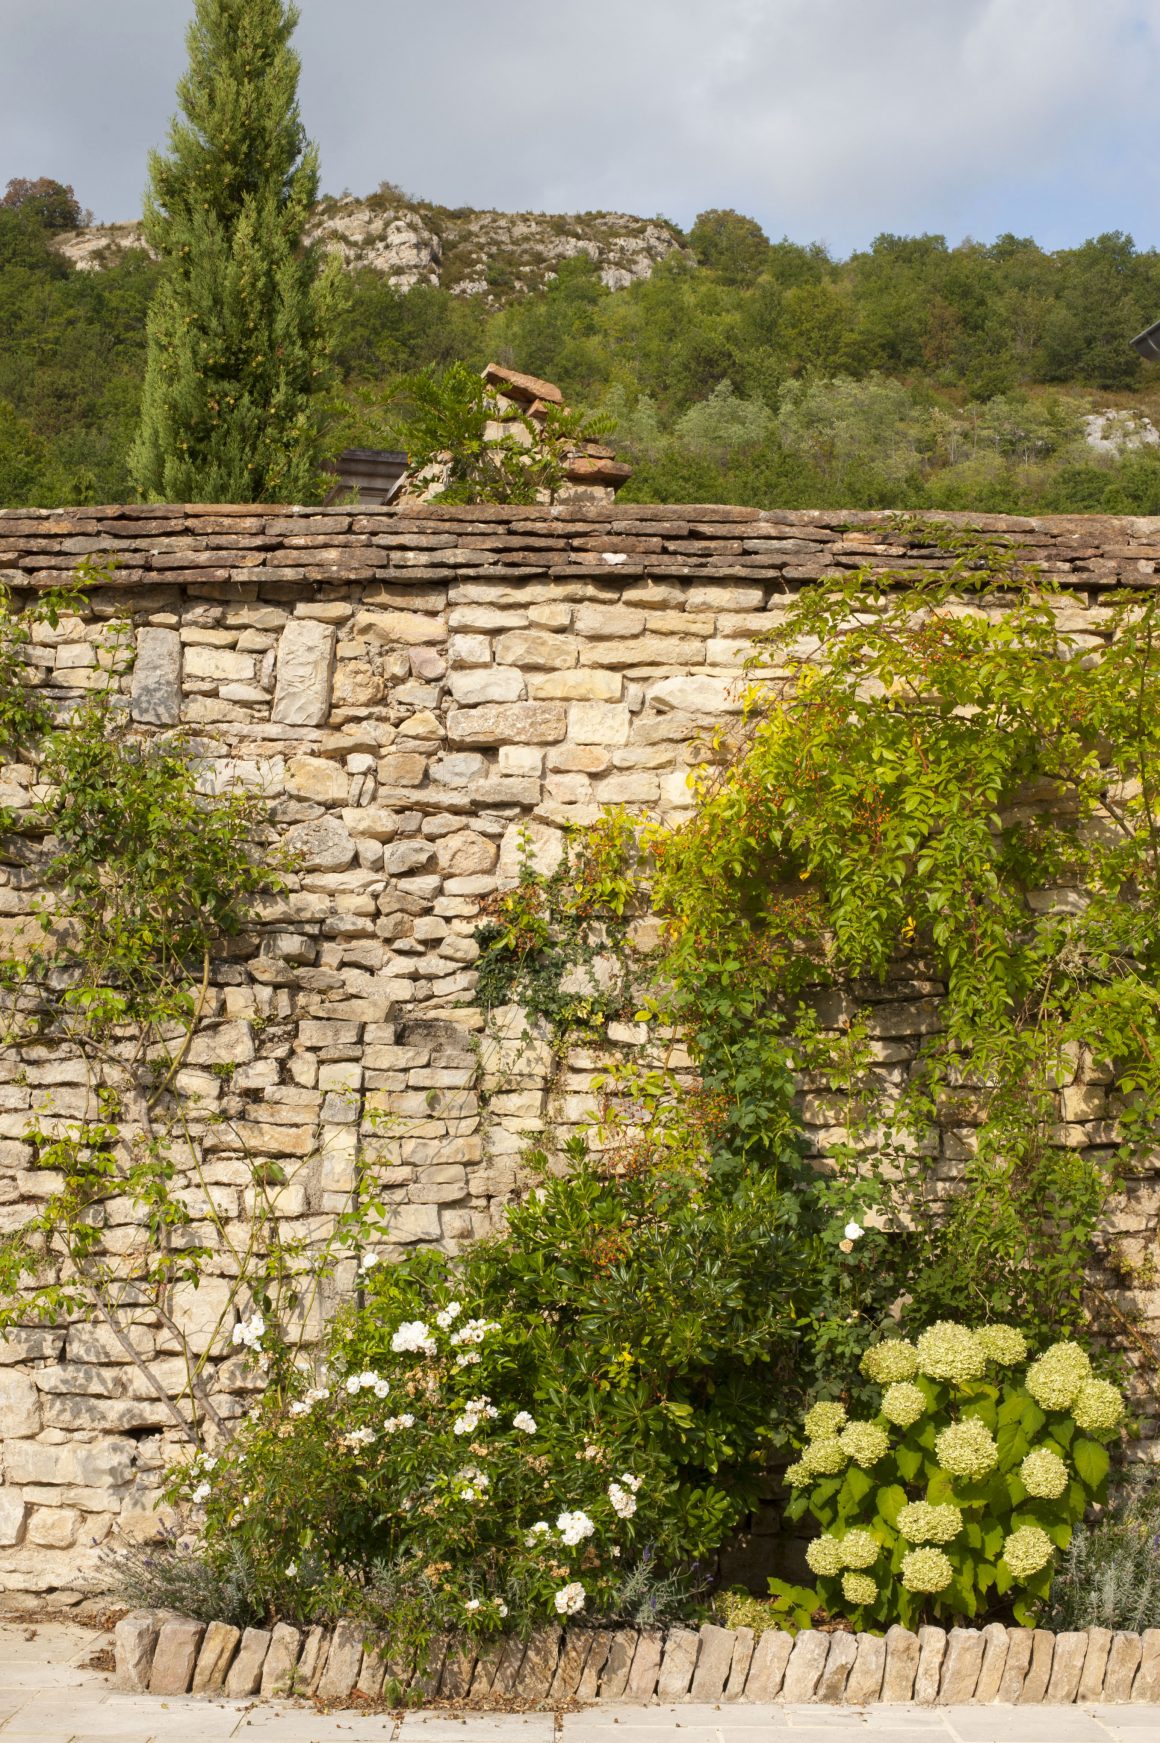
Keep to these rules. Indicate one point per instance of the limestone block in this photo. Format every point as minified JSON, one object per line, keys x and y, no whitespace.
{"x":402,"y":768}
{"x":478,"y":684}
{"x":1123,"y":1663}
{"x":864,"y":1683}
{"x":411,"y":1223}
{"x":840,"y":1662}
{"x":410,"y":628}
{"x":1019,"y":1647}
{"x":806,"y":1664}
{"x":588,"y":1687}
{"x":932,"y":1645}
{"x":1038,"y":1670}
{"x":245,"y":1674}
{"x":536,"y":649}
{"x":646,"y":1666}
{"x":468,"y":650}
{"x":744,"y":1641}
{"x":372,"y":1675}
{"x":543,"y":844}
{"x":19,"y":1405}
{"x":214,"y":1660}
{"x":134,"y":1643}
{"x":570,"y":1666}
{"x":604,"y":723}
{"x":961,"y":1667}
{"x":305,"y":663}
{"x":1147,"y":1684}
{"x":458,"y":1671}
{"x":614,"y":1674}
{"x":312,"y":1661}
{"x":323,"y":844}
{"x":317,"y":778}
{"x":508,"y":723}
{"x":222,"y":1044}
{"x":487,"y":1667}
{"x":465,"y":853}
{"x":101,"y":1464}
{"x":1091,"y":1682}
{"x":53,"y":1527}
{"x":584,"y":684}
{"x":714,"y":1662}
{"x":699,"y":693}
{"x":767,"y":1669}
{"x":429,"y":1669}
{"x":538,"y":1667}
{"x":1066,"y":1668}
{"x":994,"y":1662}
{"x":13,"y":1514}
{"x":281,"y":1661}
{"x":155,"y":694}
{"x":605,"y":622}
{"x":408,"y":856}
{"x":175,"y":1658}
{"x":218,"y":665}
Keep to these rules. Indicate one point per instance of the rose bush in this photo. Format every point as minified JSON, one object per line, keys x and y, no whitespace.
{"x":956,"y":1497}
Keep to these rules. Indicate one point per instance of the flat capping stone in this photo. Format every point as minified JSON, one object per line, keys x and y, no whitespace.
{"x":156,"y":1651}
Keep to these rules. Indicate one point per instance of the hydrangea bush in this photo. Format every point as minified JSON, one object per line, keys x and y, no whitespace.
{"x":955,"y":1499}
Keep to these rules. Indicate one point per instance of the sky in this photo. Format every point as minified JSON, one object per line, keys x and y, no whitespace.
{"x":827,"y":120}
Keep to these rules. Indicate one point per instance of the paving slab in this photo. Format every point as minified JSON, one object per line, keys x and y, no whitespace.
{"x":477,"y":1728}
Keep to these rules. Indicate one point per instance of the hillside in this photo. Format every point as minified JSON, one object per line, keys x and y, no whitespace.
{"x":493,"y":255}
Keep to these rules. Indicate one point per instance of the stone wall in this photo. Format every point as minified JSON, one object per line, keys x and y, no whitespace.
{"x":409,"y":691}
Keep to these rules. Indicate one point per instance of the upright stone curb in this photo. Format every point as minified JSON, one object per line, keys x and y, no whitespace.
{"x":163,"y":1654}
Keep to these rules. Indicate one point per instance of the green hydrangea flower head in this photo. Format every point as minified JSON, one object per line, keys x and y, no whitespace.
{"x":798,"y":1476}
{"x":947,"y":1351}
{"x":865,"y":1443}
{"x":1003,"y":1343}
{"x":903,"y":1403}
{"x":1044,"y":1474}
{"x":824,"y":1557}
{"x":926,"y":1570}
{"x":824,"y":1458}
{"x":859,"y":1588}
{"x":1027,"y":1550}
{"x":893,"y":1359}
{"x":859,"y":1549}
{"x":1099,"y":1407}
{"x":825,"y":1420}
{"x":1054,"y":1381}
{"x":967,"y":1449}
{"x":929,"y":1522}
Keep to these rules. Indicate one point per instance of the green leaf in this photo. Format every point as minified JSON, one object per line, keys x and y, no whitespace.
{"x":1091,"y":1462}
{"x":890,"y":1502}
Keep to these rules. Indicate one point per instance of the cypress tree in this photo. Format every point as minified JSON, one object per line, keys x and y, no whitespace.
{"x":233,"y":407}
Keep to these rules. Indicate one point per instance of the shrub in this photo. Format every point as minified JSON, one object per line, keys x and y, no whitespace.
{"x":561,"y":1422}
{"x":1110,"y":1576}
{"x":957,"y":1497}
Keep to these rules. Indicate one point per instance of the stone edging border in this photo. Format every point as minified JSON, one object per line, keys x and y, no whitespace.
{"x":160,"y":1653}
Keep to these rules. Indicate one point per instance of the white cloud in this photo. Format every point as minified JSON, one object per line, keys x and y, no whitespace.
{"x":831,"y":118}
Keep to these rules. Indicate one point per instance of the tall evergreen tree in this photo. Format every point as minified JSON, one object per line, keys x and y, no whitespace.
{"x":234,"y":396}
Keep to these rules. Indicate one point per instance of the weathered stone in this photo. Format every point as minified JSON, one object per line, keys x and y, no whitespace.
{"x":618,"y":1664}
{"x":1038,"y":1675}
{"x":1123,"y":1663}
{"x":305,"y":662}
{"x":134,"y":1643}
{"x":767,"y":1669}
{"x":840,"y":1661}
{"x":699,"y":695}
{"x":932,"y":1645}
{"x":536,"y":649}
{"x":507,"y":1671}
{"x":343,"y":1662}
{"x":578,"y":1643}
{"x":864,"y":1683}
{"x":588,"y":1687}
{"x":508,"y":723}
{"x":458,"y":1671}
{"x":744,"y":1641}
{"x":19,"y":1405}
{"x":680,"y":1658}
{"x":486,"y":1665}
{"x":13,"y":1517}
{"x":1020,"y":1643}
{"x":714,"y":1662}
{"x":902,"y":1655}
{"x":465,"y":854}
{"x":312,"y":1661}
{"x":244,"y":1676}
{"x":323,"y":844}
{"x":317,"y":778}
{"x":1066,"y":1668}
{"x":1091,"y":1682}
{"x":597,"y":723}
{"x":961,"y":1666}
{"x":281,"y":1661}
{"x":155,"y":695}
{"x":646,"y":1665}
{"x":542,"y":846}
{"x":539,"y":1666}
{"x":175,"y":1657}
{"x":994,"y":1663}
{"x":806,"y":1664}
{"x":478,"y":684}
{"x":214,"y":1660}
{"x":1147,"y":1684}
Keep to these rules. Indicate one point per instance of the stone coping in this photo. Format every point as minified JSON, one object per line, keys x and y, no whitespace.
{"x":158,"y":1652}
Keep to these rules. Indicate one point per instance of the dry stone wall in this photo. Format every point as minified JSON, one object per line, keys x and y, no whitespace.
{"x":410,"y":692}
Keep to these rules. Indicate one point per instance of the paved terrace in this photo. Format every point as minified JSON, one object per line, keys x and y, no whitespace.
{"x":50,"y":1692}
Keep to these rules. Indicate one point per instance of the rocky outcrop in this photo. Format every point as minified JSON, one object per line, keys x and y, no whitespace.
{"x":496,"y":255}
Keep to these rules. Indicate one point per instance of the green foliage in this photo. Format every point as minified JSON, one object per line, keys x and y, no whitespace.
{"x":1109,"y":1577}
{"x":938,"y":762}
{"x":239,"y":327}
{"x":639,"y":1312}
{"x":953,"y":1499}
{"x":50,"y":202}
